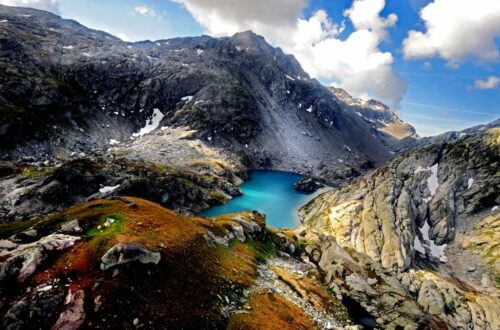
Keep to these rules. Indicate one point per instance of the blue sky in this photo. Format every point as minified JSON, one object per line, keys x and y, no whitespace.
{"x":441,"y":90}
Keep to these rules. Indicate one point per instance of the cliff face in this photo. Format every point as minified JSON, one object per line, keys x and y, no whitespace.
{"x":418,"y":214}
{"x":67,"y":88}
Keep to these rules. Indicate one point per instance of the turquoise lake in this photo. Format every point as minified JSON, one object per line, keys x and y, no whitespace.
{"x":269,"y":192}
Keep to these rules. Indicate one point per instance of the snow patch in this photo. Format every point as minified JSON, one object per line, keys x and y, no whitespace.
{"x":469,"y":183}
{"x":187,"y":98}
{"x":418,"y":245}
{"x":107,"y":189}
{"x":494,"y":208}
{"x":310,"y":109}
{"x":113,"y":142}
{"x":290,"y":78}
{"x":68,"y":47}
{"x":4,"y":21}
{"x":432,"y":180}
{"x":239,"y":48}
{"x":347,"y":148}
{"x":436,"y":250}
{"x":199,"y":51}
{"x":151,"y":124}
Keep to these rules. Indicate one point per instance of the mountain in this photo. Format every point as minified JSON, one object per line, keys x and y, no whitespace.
{"x":413,"y":241}
{"x":387,"y":124}
{"x":65,"y":88}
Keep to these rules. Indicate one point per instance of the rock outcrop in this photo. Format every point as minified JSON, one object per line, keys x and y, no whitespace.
{"x":21,"y":261}
{"x":307,"y":185}
{"x":125,"y":253}
{"x":74,"y":315}
{"x":412,"y":241}
{"x":415,"y":204}
{"x":413,"y":299}
{"x":36,"y":191}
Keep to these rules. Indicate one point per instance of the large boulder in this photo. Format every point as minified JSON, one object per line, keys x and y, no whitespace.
{"x":307,"y":185}
{"x":24,"y":259}
{"x":125,"y":253}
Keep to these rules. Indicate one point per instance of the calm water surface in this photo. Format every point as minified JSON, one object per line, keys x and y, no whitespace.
{"x":272,"y":193}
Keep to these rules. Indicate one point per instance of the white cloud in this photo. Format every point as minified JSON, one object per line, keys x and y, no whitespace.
{"x":48,"y":5}
{"x":356,"y":63}
{"x":226,"y":17}
{"x":145,"y":10}
{"x":456,"y":29}
{"x":365,"y":15}
{"x":489,"y":83}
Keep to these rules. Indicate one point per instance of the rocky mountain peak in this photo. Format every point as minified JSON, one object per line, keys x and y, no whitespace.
{"x":377,"y":114}
{"x":81,"y":88}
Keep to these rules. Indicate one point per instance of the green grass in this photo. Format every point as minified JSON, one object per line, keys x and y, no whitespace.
{"x":115,"y":228}
{"x":263,"y":250}
{"x":34,"y":173}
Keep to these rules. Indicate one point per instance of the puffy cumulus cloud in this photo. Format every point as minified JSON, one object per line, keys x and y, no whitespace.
{"x":366,"y":15}
{"x":226,"y":17}
{"x":456,"y":29}
{"x":489,"y":83}
{"x":48,"y":5}
{"x":145,"y":10}
{"x":356,"y":63}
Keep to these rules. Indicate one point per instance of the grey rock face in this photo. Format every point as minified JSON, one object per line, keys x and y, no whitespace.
{"x":307,"y":185}
{"x":78,"y":180}
{"x":125,"y":253}
{"x":35,"y":307}
{"x":416,"y":203}
{"x":430,"y":299}
{"x":74,"y":315}
{"x":23,"y":260}
{"x":392,"y":246}
{"x":71,"y":227}
{"x":414,"y":299}
{"x":65,"y":88}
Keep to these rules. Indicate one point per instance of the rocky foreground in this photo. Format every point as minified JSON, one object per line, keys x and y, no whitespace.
{"x":129,"y":263}
{"x":416,"y":241}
